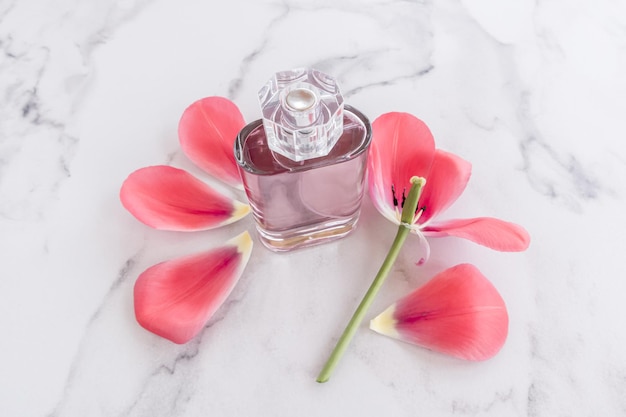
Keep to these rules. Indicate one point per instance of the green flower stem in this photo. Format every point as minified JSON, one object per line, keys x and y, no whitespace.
{"x":408,"y":212}
{"x":365,"y":304}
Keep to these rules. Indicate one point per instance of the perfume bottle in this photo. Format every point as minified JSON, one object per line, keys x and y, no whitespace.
{"x":303,"y":165}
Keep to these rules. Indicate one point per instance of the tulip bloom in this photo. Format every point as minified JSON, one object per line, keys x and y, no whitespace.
{"x":410,"y":183}
{"x":175,"y":299}
{"x":458,"y":312}
{"x":403,"y":147}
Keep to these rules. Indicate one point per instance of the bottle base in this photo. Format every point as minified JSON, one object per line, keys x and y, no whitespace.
{"x":306,"y":236}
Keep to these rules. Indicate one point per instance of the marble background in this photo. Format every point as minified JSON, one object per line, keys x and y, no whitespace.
{"x":533,"y":93}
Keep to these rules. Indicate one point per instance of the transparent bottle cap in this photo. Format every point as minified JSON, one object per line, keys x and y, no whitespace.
{"x":302,"y":113}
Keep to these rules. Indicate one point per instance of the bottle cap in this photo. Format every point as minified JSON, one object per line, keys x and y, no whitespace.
{"x":302,"y":113}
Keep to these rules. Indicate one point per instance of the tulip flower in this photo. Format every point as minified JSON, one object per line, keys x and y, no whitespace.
{"x":403,"y":147}
{"x":410,"y":183}
{"x":458,"y":312}
{"x":174,"y":299}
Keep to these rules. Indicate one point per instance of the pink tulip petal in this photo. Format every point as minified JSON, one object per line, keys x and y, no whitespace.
{"x":487,"y":231}
{"x":402,"y":147}
{"x":458,"y":312}
{"x":446,"y":181}
{"x":176,"y":298}
{"x":169,"y":198}
{"x":207,"y":131}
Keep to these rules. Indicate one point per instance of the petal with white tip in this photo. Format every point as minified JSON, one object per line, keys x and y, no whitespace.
{"x":168,"y":198}
{"x":175,"y":299}
{"x":458,"y":312}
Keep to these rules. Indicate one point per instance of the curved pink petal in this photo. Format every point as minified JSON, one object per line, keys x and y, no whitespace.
{"x":487,"y":231}
{"x":207,"y":131}
{"x":175,"y":299}
{"x":169,"y":198}
{"x":402,"y":147}
{"x":458,"y":312}
{"x":446,"y":181}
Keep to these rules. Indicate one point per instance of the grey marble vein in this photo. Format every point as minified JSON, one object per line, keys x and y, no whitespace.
{"x":247,"y":61}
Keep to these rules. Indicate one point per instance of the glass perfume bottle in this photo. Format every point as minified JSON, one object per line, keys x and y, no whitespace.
{"x":303,"y":165}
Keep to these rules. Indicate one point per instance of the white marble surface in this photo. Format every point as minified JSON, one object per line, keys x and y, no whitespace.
{"x":533,"y":93}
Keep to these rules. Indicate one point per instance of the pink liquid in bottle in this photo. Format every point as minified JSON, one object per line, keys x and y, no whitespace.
{"x":311,"y":202}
